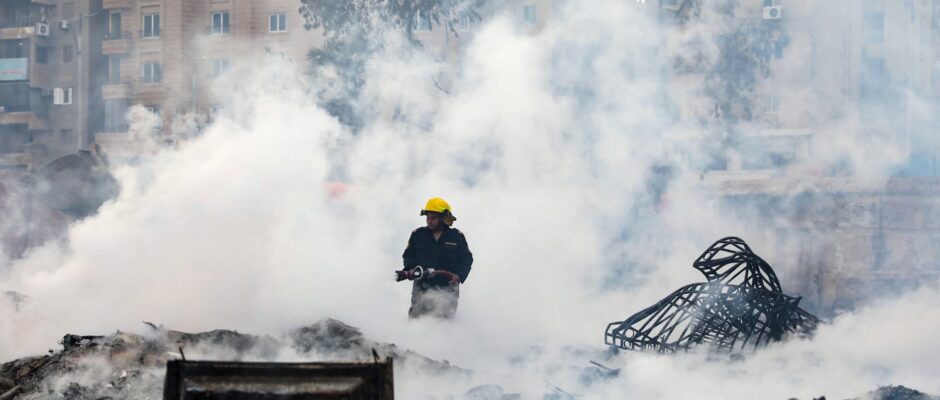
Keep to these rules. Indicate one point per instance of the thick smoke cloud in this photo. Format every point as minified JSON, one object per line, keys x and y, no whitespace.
{"x":572,"y":157}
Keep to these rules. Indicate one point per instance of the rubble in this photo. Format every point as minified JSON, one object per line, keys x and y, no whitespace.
{"x":130,"y":366}
{"x":740,"y":306}
{"x":898,"y":392}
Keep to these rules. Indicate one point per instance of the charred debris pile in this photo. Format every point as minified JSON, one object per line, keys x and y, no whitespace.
{"x":741,"y":306}
{"x":131,"y":366}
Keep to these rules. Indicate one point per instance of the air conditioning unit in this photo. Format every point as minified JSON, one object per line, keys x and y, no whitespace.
{"x":42,"y":29}
{"x":64,"y":24}
{"x":773,"y":12}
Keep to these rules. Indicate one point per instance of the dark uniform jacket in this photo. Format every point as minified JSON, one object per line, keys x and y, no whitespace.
{"x":450,"y":253}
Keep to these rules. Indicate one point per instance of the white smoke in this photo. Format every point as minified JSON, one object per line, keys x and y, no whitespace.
{"x":545,"y":146}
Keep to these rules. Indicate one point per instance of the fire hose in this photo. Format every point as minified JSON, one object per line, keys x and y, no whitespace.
{"x":420,"y":272}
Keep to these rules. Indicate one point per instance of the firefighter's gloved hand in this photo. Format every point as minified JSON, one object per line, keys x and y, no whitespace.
{"x":452,"y":278}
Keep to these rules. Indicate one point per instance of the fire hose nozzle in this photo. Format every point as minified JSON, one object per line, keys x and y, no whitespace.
{"x":418,"y":272}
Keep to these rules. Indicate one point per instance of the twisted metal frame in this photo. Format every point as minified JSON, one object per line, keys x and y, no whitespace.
{"x":741,"y":306}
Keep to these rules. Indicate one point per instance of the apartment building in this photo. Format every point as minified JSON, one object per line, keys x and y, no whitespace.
{"x":45,"y":60}
{"x":867,"y":68}
{"x":163,"y":55}
{"x":869,"y":62}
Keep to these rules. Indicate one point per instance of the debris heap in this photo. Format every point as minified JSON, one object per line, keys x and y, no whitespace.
{"x":131,"y":366}
{"x":741,"y":306}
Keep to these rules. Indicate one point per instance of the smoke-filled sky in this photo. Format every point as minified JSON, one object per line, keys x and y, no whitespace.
{"x":549,"y":145}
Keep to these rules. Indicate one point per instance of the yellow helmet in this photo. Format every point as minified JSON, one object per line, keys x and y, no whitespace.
{"x":439,"y":205}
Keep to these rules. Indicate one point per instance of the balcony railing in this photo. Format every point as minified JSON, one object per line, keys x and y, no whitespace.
{"x":115,"y":46}
{"x":117,"y":35}
{"x":15,"y":108}
{"x":18,"y":23}
{"x":115,"y":91}
{"x":115,"y":4}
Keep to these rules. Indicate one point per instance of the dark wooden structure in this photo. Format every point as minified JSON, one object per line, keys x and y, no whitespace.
{"x":229,"y":380}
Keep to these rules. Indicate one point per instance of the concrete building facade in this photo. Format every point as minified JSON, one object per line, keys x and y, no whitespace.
{"x":873,"y":66}
{"x":46,"y":59}
{"x":163,"y":55}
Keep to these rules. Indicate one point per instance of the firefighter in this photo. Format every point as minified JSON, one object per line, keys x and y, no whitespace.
{"x":438,"y":260}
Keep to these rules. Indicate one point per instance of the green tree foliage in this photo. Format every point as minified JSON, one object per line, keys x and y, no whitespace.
{"x":339,"y":17}
{"x":353,"y":28}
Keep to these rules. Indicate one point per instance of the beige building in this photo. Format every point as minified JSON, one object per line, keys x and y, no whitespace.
{"x":45,"y":50}
{"x":164,"y":55}
{"x":874,"y":66}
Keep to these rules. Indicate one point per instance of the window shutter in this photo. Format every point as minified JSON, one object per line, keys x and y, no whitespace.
{"x":57,"y":95}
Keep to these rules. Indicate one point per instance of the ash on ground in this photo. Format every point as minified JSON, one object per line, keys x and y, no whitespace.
{"x":131,"y":366}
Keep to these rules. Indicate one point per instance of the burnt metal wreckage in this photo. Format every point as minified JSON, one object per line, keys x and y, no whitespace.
{"x":740,"y":307}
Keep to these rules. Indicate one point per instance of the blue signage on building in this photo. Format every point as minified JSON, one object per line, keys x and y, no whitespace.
{"x":14,"y":69}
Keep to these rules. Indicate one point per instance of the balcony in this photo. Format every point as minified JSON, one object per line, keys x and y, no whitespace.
{"x":115,"y":91}
{"x":27,"y":118}
{"x":117,"y":44}
{"x":151,"y":91}
{"x":15,"y":161}
{"x":20,"y":32}
{"x":115,"y":4}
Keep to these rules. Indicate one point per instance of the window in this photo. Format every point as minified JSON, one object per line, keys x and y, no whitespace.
{"x":773,"y":3}
{"x":155,"y":110}
{"x":15,"y":97}
{"x":220,"y":22}
{"x":770,"y":103}
{"x":42,"y":54}
{"x":874,"y":26}
{"x":277,"y":22}
{"x":150,"y":72}
{"x":114,"y":25}
{"x":115,"y":115}
{"x":529,"y":14}
{"x":66,"y":53}
{"x":114,"y":69}
{"x":151,"y":25}
{"x":62,"y":96}
{"x":219,"y":66}
{"x":875,"y":78}
{"x":14,"y":49}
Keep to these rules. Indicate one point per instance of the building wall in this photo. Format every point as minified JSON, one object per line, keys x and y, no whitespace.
{"x":47,"y":130}
{"x":190,"y":53}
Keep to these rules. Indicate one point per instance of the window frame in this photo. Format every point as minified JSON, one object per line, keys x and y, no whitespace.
{"x":530,"y":10}
{"x":277,"y":22}
{"x":114,"y":69}
{"x":62,"y":96}
{"x":114,"y":32}
{"x":67,"y":54}
{"x":153,"y":70}
{"x":219,"y":66}
{"x":154,"y":31}
{"x":225,"y":19}
{"x":42,"y":54}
